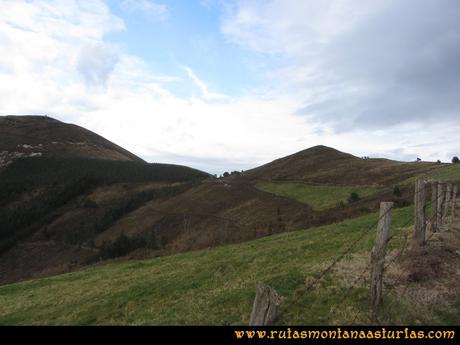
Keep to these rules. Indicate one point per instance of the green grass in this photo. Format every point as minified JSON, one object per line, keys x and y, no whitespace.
{"x":214,"y":286}
{"x":317,"y":196}
{"x":446,"y":172}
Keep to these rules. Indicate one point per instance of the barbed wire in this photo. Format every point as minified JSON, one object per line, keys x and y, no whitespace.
{"x":404,"y":243}
{"x":400,"y":276}
{"x":352,"y":245}
{"x":402,"y":248}
{"x":434,"y":216}
{"x":348,"y":250}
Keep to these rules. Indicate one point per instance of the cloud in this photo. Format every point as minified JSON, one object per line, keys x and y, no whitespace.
{"x":205,"y":93}
{"x":55,"y":59}
{"x":42,"y":73}
{"x":95,"y":63}
{"x":358,"y":64}
{"x":41,"y":48}
{"x":150,"y":9}
{"x":208,"y":4}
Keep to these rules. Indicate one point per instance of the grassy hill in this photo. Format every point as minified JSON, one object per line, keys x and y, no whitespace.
{"x":52,"y":177}
{"x":217,"y":286}
{"x":69,"y":198}
{"x":75,"y":203}
{"x":329,"y":196}
{"x":326,"y":166}
{"x":319,"y":196}
{"x":444,"y":172}
{"x":43,"y":136}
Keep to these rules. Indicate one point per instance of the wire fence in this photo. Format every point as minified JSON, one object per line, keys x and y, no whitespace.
{"x":360,"y":278}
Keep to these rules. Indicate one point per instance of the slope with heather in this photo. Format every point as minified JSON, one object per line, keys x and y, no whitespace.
{"x":327,"y":166}
{"x":51,"y":177}
{"x":216,"y":286}
{"x":43,"y":136}
{"x":69,"y":208}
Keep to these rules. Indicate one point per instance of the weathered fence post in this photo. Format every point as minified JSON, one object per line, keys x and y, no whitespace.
{"x":265,"y":306}
{"x":434,"y":206}
{"x":439,"y":205}
{"x":448,"y":198}
{"x":420,"y":203}
{"x":187,"y":233}
{"x":378,"y":258}
{"x":454,"y":201}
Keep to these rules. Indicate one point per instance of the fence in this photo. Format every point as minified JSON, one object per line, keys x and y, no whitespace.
{"x":442,"y":202}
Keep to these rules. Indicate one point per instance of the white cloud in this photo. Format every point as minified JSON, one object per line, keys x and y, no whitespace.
{"x":205,"y":93}
{"x":96,"y":62}
{"x":151,"y":9}
{"x":356,"y":62}
{"x":208,"y":3}
{"x":46,"y":47}
{"x":357,"y":65}
{"x":135,"y":109}
{"x":41,"y":48}
{"x":292,"y":26}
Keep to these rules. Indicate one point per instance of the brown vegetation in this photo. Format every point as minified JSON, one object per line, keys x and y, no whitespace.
{"x":210,"y":213}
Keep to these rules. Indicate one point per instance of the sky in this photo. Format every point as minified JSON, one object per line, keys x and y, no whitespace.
{"x":224,"y":85}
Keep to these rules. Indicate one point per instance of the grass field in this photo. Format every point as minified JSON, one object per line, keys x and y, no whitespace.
{"x":317,"y":196}
{"x":450,"y":172}
{"x":217,"y":286}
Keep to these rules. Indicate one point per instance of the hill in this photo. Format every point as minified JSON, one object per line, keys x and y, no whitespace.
{"x":49,"y":171}
{"x":327,"y":166}
{"x":217,"y":286}
{"x":43,"y":136}
{"x":64,"y":210}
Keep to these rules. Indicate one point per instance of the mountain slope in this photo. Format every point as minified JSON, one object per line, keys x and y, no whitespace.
{"x":325,"y":165}
{"x":49,"y":171}
{"x":69,"y":208}
{"x":217,"y":286}
{"x":42,"y":136}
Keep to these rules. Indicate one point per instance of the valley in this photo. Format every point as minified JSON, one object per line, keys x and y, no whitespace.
{"x":169,"y":244}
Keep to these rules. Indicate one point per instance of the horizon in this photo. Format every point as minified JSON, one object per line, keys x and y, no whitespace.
{"x":231,"y":85}
{"x":220,"y":173}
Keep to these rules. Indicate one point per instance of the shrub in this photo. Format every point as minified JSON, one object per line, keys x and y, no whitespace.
{"x":354,"y":197}
{"x":31,"y":215}
{"x":38,"y":171}
{"x":121,"y":246}
{"x":455,"y":160}
{"x":88,"y":203}
{"x":397,"y":191}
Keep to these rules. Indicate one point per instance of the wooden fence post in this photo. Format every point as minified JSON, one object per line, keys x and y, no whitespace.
{"x":434,"y":206}
{"x":439,"y":205}
{"x":378,"y":259}
{"x":265,"y":306}
{"x":420,"y":203}
{"x":454,"y":201}
{"x":447,"y":201}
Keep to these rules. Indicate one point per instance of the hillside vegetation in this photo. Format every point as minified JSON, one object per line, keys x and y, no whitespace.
{"x":317,"y":196}
{"x":327,"y":166}
{"x":32,"y":172}
{"x":70,"y":198}
{"x":217,"y":286}
{"x":60,"y":181}
{"x":444,"y":172}
{"x":29,"y":136}
{"x":322,"y":197}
